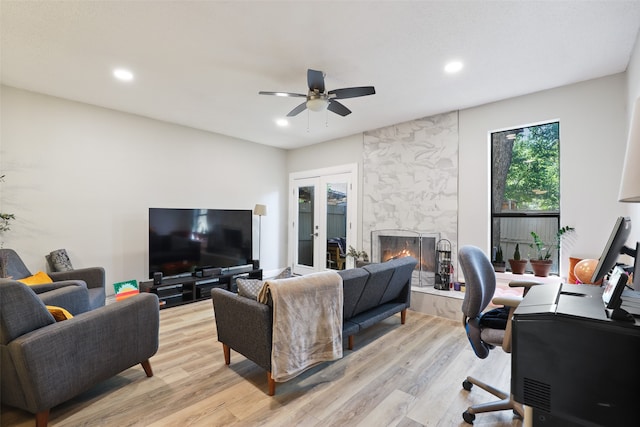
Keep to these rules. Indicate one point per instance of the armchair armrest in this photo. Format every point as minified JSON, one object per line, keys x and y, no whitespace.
{"x":89,"y":348}
{"x":245,"y":325}
{"x":48,"y":287}
{"x":94,"y":277}
{"x":73,"y":298}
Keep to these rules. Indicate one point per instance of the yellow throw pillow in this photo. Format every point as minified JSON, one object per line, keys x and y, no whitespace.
{"x":37,"y":279}
{"x":59,"y":313}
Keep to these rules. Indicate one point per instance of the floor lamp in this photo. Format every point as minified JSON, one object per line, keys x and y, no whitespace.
{"x":260,"y":210}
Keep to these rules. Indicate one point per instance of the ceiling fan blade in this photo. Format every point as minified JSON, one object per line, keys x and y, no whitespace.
{"x":300,"y":108}
{"x":315,"y":79}
{"x":352,"y":92}
{"x":282,"y":94}
{"x":338,"y":108}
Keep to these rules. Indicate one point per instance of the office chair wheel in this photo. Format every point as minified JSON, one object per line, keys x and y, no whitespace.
{"x":467,"y":385}
{"x":468,"y":417}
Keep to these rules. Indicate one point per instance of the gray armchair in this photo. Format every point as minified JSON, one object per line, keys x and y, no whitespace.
{"x":92,"y":278}
{"x":482,"y":330}
{"x":45,"y":363}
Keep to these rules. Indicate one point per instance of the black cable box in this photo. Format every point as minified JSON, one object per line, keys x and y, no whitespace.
{"x":208,"y":271}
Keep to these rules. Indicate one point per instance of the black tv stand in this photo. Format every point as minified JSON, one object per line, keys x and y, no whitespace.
{"x":183,"y":290}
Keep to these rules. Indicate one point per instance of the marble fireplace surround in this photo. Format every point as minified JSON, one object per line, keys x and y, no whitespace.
{"x":410,"y":182}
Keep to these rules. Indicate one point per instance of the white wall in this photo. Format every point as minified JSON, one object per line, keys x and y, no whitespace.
{"x":82,"y":178}
{"x":592,"y":144}
{"x":633,"y":92}
{"x":592,"y":140}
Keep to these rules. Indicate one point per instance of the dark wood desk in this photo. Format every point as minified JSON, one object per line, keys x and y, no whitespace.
{"x":573,"y":364}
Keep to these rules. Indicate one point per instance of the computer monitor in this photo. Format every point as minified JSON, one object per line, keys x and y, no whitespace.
{"x":613,"y":248}
{"x":636,"y":268}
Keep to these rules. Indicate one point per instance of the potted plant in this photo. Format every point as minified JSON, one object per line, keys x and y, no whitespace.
{"x":517,"y":264}
{"x":360,"y":257}
{"x":498,"y":263}
{"x":542,"y":263}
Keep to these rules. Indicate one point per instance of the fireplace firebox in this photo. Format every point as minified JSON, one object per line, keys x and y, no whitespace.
{"x":392,"y":244}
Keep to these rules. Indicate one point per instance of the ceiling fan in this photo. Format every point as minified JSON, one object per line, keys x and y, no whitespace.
{"x":318,"y":98}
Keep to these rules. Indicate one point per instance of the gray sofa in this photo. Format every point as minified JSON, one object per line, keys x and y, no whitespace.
{"x":91,"y":278}
{"x":371,"y":293}
{"x":44,"y":362}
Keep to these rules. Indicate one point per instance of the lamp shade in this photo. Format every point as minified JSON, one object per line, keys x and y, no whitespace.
{"x":630,"y":184}
{"x":260,"y":210}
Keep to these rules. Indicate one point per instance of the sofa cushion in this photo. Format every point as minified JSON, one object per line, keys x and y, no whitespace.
{"x":284,"y":274}
{"x":354,"y":281}
{"x":60,"y":260}
{"x":377,"y":314}
{"x":403,"y":269}
{"x":379,"y":276}
{"x":37,"y":279}
{"x":249,"y":288}
{"x":59,"y":313}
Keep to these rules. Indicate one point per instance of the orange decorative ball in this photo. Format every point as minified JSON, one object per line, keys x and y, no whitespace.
{"x":584,"y":270}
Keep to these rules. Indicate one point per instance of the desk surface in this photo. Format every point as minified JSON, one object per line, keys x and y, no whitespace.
{"x":580,"y":301}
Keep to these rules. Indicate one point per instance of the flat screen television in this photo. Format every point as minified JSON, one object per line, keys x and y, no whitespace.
{"x":613,"y":248}
{"x":183,"y":240}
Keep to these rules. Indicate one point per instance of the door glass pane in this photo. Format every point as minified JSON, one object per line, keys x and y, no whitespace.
{"x":306,"y":223}
{"x":336,"y":224}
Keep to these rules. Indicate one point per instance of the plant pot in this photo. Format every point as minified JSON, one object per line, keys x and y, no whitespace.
{"x":518,"y":265}
{"x":541,"y":267}
{"x":499,"y":267}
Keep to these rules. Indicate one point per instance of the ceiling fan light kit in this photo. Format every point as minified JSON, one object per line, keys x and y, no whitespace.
{"x":317,"y":103}
{"x":318,"y":99}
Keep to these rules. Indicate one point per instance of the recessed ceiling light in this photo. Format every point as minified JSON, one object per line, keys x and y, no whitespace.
{"x":282,"y":122}
{"x":122,"y":74}
{"x":453,"y":67}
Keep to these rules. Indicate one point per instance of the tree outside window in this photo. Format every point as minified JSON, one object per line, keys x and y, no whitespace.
{"x":525,"y":194}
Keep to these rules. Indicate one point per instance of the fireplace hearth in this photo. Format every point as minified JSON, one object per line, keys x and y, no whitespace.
{"x":392,"y":244}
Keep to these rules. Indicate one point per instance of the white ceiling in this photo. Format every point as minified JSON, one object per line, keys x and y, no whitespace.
{"x":202,"y":63}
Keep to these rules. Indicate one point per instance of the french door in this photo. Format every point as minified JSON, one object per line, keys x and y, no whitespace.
{"x":322,"y":212}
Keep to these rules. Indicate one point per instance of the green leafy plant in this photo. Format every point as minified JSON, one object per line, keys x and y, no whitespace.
{"x":516,"y":253}
{"x":543,"y":249}
{"x":352,"y":252}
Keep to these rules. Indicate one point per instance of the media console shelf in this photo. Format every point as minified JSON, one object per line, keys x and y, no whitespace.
{"x":183,"y":290}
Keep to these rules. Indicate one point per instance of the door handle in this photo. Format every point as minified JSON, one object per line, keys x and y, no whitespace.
{"x":314,"y":234}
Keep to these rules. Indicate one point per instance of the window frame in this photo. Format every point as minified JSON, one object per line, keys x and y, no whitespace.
{"x":495,"y":217}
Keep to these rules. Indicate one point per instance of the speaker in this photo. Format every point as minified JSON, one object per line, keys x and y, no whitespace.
{"x":256,"y":264}
{"x":157,"y":278}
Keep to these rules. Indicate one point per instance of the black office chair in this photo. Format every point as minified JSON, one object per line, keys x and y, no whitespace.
{"x":486,"y":330}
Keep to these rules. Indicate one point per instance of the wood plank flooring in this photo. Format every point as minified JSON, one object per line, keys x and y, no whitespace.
{"x":398,"y":375}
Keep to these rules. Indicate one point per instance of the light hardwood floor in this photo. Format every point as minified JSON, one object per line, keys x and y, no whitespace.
{"x":398,"y":375}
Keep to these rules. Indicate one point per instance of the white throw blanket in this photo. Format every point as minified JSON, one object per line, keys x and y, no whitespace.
{"x":307,"y":322}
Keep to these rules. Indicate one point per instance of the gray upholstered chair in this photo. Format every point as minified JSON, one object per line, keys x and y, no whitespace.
{"x":480,"y":282}
{"x":45,"y":363}
{"x":92,"y":278}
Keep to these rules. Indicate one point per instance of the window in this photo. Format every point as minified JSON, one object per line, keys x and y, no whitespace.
{"x":525,"y":189}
